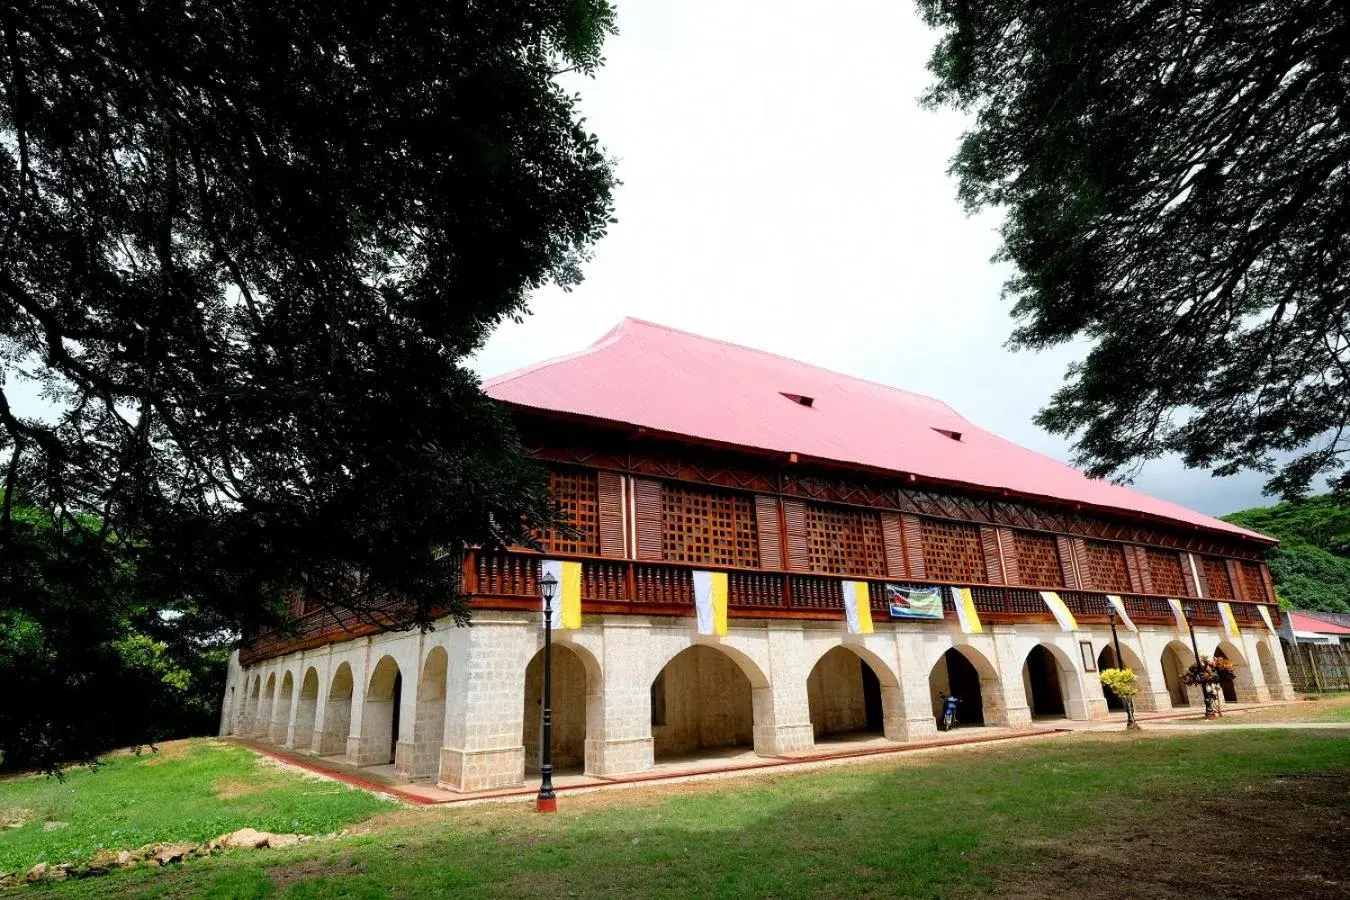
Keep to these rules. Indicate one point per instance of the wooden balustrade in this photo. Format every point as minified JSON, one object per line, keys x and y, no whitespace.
{"x":510,"y":580}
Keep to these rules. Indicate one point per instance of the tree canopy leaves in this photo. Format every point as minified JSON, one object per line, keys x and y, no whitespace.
{"x":1311,"y":569}
{"x":245,"y":248}
{"x":1177,"y":186}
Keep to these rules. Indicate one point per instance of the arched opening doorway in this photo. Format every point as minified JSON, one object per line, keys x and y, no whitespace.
{"x":843,"y":696}
{"x":306,"y":708}
{"x":1229,"y":688}
{"x":954,"y":674}
{"x":701,"y":699}
{"x":264,"y":728}
{"x":1040,"y":677}
{"x":281,"y":717}
{"x":1107,"y":660}
{"x":570,"y":689}
{"x":1176,"y":659}
{"x":337,"y":713}
{"x":380,"y":715}
{"x":429,"y":723}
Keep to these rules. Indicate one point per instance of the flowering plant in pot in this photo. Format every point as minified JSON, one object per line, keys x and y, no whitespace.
{"x":1125,"y":685}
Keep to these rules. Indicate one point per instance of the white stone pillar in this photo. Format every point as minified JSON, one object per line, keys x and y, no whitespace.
{"x":914,"y":702}
{"x":781,"y":708}
{"x":1007,"y":659}
{"x":619,"y":707}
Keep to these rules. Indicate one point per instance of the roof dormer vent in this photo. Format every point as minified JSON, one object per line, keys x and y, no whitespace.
{"x":954,"y":435}
{"x":799,"y":398}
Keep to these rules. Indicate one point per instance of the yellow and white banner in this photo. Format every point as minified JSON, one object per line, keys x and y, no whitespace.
{"x":1265,"y":617}
{"x":710,"y":602}
{"x":1179,"y":614}
{"x":857,"y":607}
{"x":567,"y":599}
{"x":965,"y":611}
{"x":1230,"y":625}
{"x":1119,"y":606}
{"x":1062,"y":615}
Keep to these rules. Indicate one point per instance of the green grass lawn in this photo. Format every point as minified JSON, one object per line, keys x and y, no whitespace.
{"x":1237,"y":814}
{"x":1333,"y":707}
{"x":188,"y":791}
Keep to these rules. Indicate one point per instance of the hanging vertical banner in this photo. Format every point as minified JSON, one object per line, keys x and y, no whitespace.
{"x":1119,"y":606}
{"x":966,"y":612}
{"x":1230,"y":625}
{"x":1062,"y":615}
{"x":857,"y":607}
{"x":567,"y":600}
{"x":1265,"y":617}
{"x":1179,"y":614}
{"x":710,"y":602}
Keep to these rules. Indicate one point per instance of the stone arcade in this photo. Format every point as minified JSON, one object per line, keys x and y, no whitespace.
{"x":670,"y":453}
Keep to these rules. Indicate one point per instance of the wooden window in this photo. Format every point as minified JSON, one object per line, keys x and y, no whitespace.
{"x":1106,"y":567}
{"x":1253,"y":583}
{"x":770,"y":536}
{"x":845,"y":541}
{"x":715,"y":528}
{"x":575,"y":495}
{"x":1037,"y":559}
{"x":952,"y":551}
{"x":647,"y":517}
{"x":1215,"y":573}
{"x":1164,"y":568}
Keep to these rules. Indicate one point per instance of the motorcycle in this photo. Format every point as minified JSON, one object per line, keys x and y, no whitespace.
{"x":949,"y":704}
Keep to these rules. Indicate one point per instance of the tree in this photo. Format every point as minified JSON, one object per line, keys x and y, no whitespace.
{"x":1311,"y":568}
{"x":245,"y":249}
{"x":1177,"y":186}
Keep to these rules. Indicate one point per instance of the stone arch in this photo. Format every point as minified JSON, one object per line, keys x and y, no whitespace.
{"x":380,"y":714}
{"x":982,"y":701}
{"x":1242,"y":689}
{"x":706,"y":696}
{"x":337,"y":713}
{"x":1176,"y":659}
{"x":575,"y":707}
{"x":269,"y":692}
{"x":846,"y":692}
{"x":250,"y":708}
{"x":281,"y":714}
{"x":1107,"y":659}
{"x":1270,"y":672}
{"x":1054,"y":688}
{"x":306,"y":708}
{"x":429,"y":718}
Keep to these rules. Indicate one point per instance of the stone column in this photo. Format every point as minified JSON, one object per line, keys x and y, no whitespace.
{"x":914,"y":701}
{"x":1017,"y":712}
{"x":781,"y":708}
{"x":405,"y":751}
{"x":619,"y":707}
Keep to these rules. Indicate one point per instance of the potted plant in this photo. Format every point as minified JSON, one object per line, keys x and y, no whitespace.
{"x":1209,"y":674}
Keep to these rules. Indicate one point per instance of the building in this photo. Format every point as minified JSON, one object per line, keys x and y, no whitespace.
{"x":1305,"y":626}
{"x":673,"y":454}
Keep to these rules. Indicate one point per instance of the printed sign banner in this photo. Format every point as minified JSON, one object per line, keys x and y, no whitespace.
{"x":914,"y":602}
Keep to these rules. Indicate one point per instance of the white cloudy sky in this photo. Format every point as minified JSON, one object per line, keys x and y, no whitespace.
{"x":782,"y":188}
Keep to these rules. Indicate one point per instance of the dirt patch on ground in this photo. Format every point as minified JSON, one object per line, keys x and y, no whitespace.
{"x":15,"y":817}
{"x":308,"y":870}
{"x":162,"y":753}
{"x":1288,"y":837}
{"x":233,"y":788}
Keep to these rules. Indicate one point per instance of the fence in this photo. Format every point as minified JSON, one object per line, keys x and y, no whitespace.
{"x":1314,"y":668}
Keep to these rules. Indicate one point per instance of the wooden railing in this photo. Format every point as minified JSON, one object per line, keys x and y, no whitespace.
{"x":510,"y":580}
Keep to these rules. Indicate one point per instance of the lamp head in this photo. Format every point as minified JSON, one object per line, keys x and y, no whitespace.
{"x":548,"y":586}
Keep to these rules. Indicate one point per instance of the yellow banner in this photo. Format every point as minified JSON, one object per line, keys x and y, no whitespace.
{"x":857,"y":607}
{"x":1230,"y":625}
{"x":1062,"y":615}
{"x":966,"y":613}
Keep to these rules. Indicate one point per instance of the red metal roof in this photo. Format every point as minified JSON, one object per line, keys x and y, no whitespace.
{"x":1302,"y":622}
{"x":682,"y":384}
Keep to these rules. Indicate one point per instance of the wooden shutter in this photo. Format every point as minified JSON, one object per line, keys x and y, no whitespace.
{"x":1012,"y":573}
{"x":1269,"y":586}
{"x":770,"y":533}
{"x":798,"y":547}
{"x":894,"y":544}
{"x":611,"y":514}
{"x":1236,"y":580}
{"x":1136,"y":566}
{"x":647,"y":517}
{"x":1081,"y":563}
{"x":1066,"y":561}
{"x":993,"y":560}
{"x":911,"y":531}
{"x":1195,"y":587}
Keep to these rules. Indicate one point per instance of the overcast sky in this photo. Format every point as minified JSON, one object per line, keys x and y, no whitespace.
{"x":783,"y":189}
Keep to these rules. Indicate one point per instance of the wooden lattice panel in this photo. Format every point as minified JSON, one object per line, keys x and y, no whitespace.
{"x":1106,"y":567}
{"x":1215,"y":573}
{"x":577,"y":500}
{"x":1164,"y":569}
{"x":1037,"y":559}
{"x":715,"y":528}
{"x":1252,"y":581}
{"x":845,"y":541}
{"x":953,"y":552}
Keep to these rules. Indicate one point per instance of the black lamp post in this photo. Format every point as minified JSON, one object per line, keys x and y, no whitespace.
{"x":1120,"y":661}
{"x":547,"y":801}
{"x":1190,"y":609}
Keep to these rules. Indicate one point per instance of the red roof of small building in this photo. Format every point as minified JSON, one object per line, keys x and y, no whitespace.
{"x":1302,"y":622}
{"x":682,"y":384}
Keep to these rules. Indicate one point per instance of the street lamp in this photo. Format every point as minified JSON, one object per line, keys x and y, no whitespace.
{"x":1190,"y":609}
{"x":1120,"y":660}
{"x":547,"y":801}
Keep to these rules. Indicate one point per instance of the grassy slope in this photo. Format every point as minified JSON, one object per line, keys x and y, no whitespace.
{"x":190,"y":790}
{"x":1056,"y":817}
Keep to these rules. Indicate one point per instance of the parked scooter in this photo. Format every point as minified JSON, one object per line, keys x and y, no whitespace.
{"x":949,"y":703}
